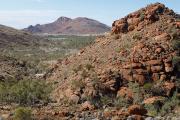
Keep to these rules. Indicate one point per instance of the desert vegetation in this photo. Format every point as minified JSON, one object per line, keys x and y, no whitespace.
{"x":131,"y":73}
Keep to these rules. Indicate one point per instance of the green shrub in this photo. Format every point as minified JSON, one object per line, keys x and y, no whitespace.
{"x":31,"y":91}
{"x":106,"y":100}
{"x":25,"y":92}
{"x":176,"y":44}
{"x":170,"y":104}
{"x":22,"y":114}
{"x":118,"y":49}
{"x":84,"y":74}
{"x":163,"y":107}
{"x":147,"y":86}
{"x":152,"y":111}
{"x":89,"y":66}
{"x":77,"y":69}
{"x":137,"y":36}
{"x":137,"y":93}
{"x":176,"y":63}
{"x":77,"y":84}
{"x":142,"y":16}
{"x":121,"y":102}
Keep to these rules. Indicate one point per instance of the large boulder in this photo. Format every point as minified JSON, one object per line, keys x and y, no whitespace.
{"x":137,"y":110}
{"x":87,"y":106}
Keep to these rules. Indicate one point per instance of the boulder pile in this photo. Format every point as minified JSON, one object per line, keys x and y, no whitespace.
{"x":125,"y":71}
{"x":140,"y":18}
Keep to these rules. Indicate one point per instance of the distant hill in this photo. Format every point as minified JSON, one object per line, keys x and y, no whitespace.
{"x":64,"y":25}
{"x":10,"y":37}
{"x":14,"y":45}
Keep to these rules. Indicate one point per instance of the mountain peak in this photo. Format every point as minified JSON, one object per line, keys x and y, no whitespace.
{"x":65,"y":25}
{"x":63,"y":19}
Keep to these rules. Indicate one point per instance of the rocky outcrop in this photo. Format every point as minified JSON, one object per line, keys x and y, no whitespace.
{"x":139,"y":19}
{"x":133,"y":65}
{"x":153,"y":62}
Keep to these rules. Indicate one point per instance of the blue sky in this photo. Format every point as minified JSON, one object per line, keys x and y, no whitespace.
{"x":22,"y":13}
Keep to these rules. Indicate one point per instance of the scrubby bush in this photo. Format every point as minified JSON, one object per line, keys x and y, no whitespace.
{"x":22,"y":113}
{"x":163,"y":107}
{"x":137,"y":93}
{"x":137,"y":36}
{"x":30,"y":92}
{"x":77,"y":84}
{"x":176,"y":64}
{"x":26,"y":92}
{"x":147,"y":86}
{"x":89,"y":66}
{"x":176,"y":45}
{"x":170,"y":104}
{"x":142,"y":16}
{"x":118,"y":49}
{"x":152,"y":111}
{"x":121,"y":102}
{"x":106,"y":100}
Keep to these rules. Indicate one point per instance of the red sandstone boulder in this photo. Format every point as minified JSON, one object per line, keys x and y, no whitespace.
{"x":163,"y":37}
{"x":133,"y":66}
{"x":158,"y":50}
{"x":87,"y":106}
{"x":137,"y":110}
{"x":154,"y":62}
{"x":168,"y":69}
{"x":162,"y":77}
{"x":155,"y":77}
{"x":156,"y":69}
{"x":152,"y":100}
{"x":139,"y":78}
{"x":125,"y":92}
{"x":178,"y":24}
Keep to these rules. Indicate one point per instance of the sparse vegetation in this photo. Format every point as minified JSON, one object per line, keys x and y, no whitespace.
{"x":123,"y":74}
{"x":152,"y":111}
{"x":137,"y":93}
{"x":163,"y":107}
{"x":106,"y":100}
{"x":48,"y":50}
{"x":89,"y":66}
{"x":137,"y":36}
{"x":121,"y":102}
{"x":142,"y":16}
{"x":169,"y":104}
{"x":176,"y":44}
{"x":77,"y":84}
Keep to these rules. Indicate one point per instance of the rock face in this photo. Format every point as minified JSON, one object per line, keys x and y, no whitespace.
{"x":133,"y":64}
{"x":64,"y":25}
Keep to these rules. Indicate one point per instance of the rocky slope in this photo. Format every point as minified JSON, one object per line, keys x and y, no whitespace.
{"x":12,"y":37}
{"x":65,"y":25}
{"x":136,"y":66}
{"x":11,"y":68}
